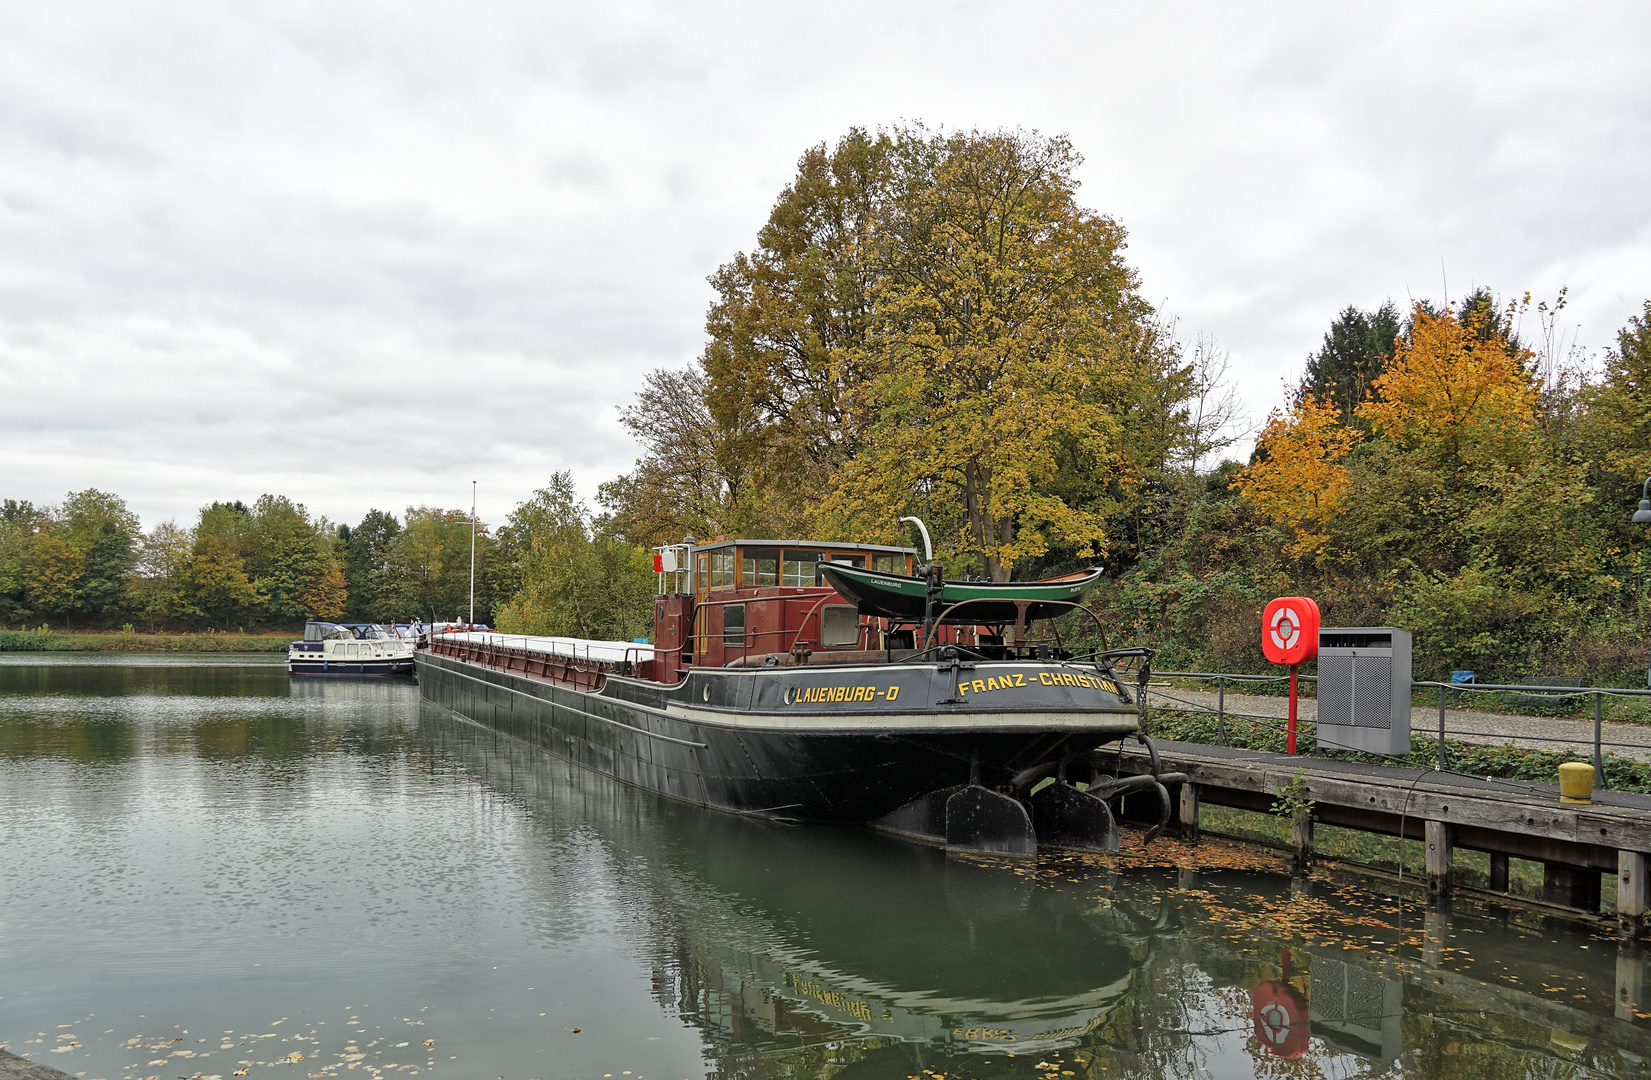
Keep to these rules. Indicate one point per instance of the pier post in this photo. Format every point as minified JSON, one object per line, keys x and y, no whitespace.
{"x":1435,"y":928}
{"x":1498,"y":872}
{"x":1630,"y":981}
{"x":1302,"y":842}
{"x":1188,"y":814}
{"x":1631,"y":893}
{"x":1438,"y":857}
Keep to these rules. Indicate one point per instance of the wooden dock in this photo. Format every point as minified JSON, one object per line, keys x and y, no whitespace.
{"x":1447,"y":811}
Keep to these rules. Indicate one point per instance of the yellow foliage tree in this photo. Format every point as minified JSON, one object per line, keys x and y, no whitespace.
{"x":1301,"y":481}
{"x":1006,"y":339}
{"x":324,"y":595}
{"x":1458,"y":385}
{"x":54,"y":573}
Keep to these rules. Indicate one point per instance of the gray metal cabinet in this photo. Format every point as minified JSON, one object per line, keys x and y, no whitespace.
{"x":1364,"y":689}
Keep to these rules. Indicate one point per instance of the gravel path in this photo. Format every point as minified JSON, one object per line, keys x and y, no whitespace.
{"x":1461,"y":725}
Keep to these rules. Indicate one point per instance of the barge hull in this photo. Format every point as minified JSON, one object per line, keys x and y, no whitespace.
{"x":848,"y":776}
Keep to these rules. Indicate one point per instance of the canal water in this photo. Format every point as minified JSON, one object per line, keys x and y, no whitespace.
{"x":212,"y":870}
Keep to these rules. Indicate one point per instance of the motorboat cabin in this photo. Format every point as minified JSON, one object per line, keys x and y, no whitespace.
{"x":350,"y":649}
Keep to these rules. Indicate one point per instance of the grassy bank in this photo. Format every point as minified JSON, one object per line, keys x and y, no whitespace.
{"x":134,"y":642}
{"x":1504,"y":762}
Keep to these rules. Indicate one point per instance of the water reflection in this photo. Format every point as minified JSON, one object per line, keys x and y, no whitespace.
{"x":230,"y":847}
{"x":801,"y":951}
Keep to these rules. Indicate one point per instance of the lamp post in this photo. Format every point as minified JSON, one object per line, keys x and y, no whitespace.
{"x":472,"y":625}
{"x":1642,"y":516}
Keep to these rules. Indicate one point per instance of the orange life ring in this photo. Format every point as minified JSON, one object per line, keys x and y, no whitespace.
{"x":1281,"y":1020}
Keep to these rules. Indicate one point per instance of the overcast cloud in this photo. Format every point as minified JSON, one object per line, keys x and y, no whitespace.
{"x":364,"y":253}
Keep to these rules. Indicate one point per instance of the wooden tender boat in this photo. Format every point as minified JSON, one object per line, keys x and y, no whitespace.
{"x":899,"y":596}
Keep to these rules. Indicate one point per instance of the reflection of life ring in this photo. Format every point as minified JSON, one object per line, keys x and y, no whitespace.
{"x":1281,"y":1024}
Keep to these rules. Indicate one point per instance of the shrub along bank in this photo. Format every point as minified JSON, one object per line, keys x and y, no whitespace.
{"x":132,"y":642}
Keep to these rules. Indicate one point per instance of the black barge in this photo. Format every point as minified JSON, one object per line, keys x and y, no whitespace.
{"x":766,"y":692}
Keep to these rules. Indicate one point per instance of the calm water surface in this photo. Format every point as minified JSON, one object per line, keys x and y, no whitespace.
{"x":213,"y":870}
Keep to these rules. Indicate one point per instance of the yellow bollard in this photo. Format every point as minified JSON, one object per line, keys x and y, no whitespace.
{"x":1576,"y":783}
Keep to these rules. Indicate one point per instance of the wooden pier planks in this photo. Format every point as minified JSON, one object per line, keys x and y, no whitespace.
{"x":1446,"y":810}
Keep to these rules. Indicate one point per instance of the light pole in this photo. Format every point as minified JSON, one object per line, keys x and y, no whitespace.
{"x":1642,"y":516}
{"x":472,"y":624}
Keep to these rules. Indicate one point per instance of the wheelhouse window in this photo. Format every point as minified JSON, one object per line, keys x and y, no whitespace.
{"x":760,"y":568}
{"x":885,"y":563}
{"x":722,"y":567}
{"x":852,"y":560}
{"x":800,"y":568}
{"x":733,"y":626}
{"x":839,"y":626}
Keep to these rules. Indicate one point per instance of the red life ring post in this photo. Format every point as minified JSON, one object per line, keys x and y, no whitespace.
{"x":1290,"y":636}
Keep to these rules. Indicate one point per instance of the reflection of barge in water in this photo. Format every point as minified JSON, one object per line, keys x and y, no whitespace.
{"x":767,"y":692}
{"x":776,"y":941}
{"x":765,"y":936}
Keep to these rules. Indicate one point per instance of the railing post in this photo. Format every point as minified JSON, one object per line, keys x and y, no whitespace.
{"x":1599,"y":761}
{"x":1221,"y":711}
{"x":1441,"y":766}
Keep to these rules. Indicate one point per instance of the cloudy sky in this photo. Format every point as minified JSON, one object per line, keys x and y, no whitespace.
{"x":365,"y":253}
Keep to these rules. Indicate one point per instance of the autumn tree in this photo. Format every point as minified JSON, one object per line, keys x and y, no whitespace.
{"x":1617,"y":428}
{"x":54,"y":572}
{"x":20,"y":522}
{"x":574,"y":581}
{"x":158,"y":579}
{"x":427,"y":569}
{"x":366,"y":552}
{"x":1007,"y":344}
{"x":324,"y":594}
{"x":929,"y":323}
{"x":1300,"y":478}
{"x":292,"y":562}
{"x":106,"y":533}
{"x":216,"y":584}
{"x":694,"y":477}
{"x":788,"y":329}
{"x":1460,"y":385}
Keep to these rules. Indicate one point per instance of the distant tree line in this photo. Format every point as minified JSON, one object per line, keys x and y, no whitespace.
{"x":87,"y":563}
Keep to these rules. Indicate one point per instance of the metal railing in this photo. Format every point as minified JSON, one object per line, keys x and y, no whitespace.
{"x":1447,"y":691}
